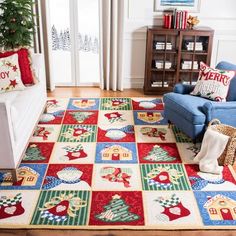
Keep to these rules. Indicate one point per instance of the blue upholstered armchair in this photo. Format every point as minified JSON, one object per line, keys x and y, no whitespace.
{"x":191,"y":114}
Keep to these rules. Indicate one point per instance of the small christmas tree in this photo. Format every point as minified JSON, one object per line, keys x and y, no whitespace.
{"x":16,"y":23}
{"x":80,"y":42}
{"x":80,"y":117}
{"x":117,"y":211}
{"x":86,"y":44}
{"x":158,"y":154}
{"x":95,"y":46}
{"x":55,"y":39}
{"x":33,"y":153}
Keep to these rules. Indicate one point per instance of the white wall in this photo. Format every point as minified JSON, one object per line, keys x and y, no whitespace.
{"x":217,"y":14}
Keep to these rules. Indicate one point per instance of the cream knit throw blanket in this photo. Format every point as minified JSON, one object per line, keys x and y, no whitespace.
{"x":213,"y":145}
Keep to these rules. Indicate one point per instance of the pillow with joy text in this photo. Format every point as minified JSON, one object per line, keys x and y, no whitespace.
{"x":213,"y":83}
{"x":24,"y":63}
{"x":10,"y":75}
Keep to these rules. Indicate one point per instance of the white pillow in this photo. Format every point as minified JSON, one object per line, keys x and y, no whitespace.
{"x":10,"y":76}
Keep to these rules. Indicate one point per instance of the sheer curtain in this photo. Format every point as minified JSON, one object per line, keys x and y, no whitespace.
{"x":111,"y":43}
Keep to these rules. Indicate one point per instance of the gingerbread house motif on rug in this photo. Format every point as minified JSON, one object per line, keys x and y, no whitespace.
{"x":116,"y":153}
{"x":221,"y":207}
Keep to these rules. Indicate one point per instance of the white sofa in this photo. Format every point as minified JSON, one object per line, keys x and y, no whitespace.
{"x":19,"y":113}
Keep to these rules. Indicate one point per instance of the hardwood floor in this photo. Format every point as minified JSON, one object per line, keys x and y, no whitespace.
{"x":64,"y":92}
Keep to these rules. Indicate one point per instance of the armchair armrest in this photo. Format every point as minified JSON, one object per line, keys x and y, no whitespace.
{"x":224,"y":111}
{"x":183,"y":88}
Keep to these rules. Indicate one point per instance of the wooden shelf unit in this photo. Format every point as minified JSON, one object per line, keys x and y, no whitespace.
{"x":160,"y":80}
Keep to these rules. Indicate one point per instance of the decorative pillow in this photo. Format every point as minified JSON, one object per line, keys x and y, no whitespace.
{"x":212,"y":83}
{"x":24,"y":63}
{"x":10,"y":76}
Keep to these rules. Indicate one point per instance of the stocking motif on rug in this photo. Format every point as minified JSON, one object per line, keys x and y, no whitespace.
{"x":77,"y":133}
{"x":11,"y":206}
{"x":173,"y":208}
{"x":74,"y":153}
{"x":60,"y":208}
{"x":119,"y":175}
{"x":158,"y":154}
{"x":117,"y":211}
{"x":114,"y":117}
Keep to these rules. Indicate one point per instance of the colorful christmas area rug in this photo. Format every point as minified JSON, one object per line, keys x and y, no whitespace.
{"x":113,"y":163}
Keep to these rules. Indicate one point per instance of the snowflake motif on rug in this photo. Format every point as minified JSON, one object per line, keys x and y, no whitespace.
{"x":150,"y":117}
{"x":33,"y":153}
{"x":114,"y":117}
{"x":158,"y":154}
{"x":77,"y":133}
{"x":11,"y":206}
{"x":118,"y":175}
{"x":43,"y":132}
{"x":73,"y":153}
{"x":117,"y":211}
{"x":154,"y":132}
{"x":117,"y":134}
{"x":81,"y":116}
{"x":163,"y":177}
{"x":65,"y":177}
{"x":220,"y":207}
{"x":61,"y":207}
{"x":173,"y":208}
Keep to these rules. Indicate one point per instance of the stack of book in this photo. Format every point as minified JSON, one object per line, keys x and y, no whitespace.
{"x":198,"y":46}
{"x":160,"y":64}
{"x":187,"y":65}
{"x":175,"y":19}
{"x":163,"y":46}
{"x":159,"y":84}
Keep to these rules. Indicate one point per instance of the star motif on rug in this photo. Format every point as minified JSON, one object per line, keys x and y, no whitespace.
{"x":116,"y":197}
{"x":13,"y":83}
{"x":14,"y":68}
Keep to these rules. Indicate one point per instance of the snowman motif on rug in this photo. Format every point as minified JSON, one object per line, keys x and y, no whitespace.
{"x":210,"y":182}
{"x":11,"y":206}
{"x":67,"y":179}
{"x":59,"y":208}
{"x":73,"y":153}
{"x":173,"y":208}
{"x":163,"y":177}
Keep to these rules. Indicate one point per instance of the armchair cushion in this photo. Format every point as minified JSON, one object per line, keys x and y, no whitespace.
{"x":190,"y":107}
{"x":183,"y":88}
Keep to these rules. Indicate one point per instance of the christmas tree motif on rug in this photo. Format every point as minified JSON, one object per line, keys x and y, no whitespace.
{"x":221,"y":208}
{"x":61,"y":207}
{"x":117,"y":211}
{"x":118,"y":175}
{"x":154,"y":132}
{"x":116,"y":103}
{"x":11,"y":206}
{"x":117,"y":134}
{"x":77,"y":133}
{"x":65,"y":177}
{"x":43,"y":132}
{"x":173,"y":208}
{"x":158,"y":154}
{"x":51,"y":116}
{"x":163,"y":177}
{"x":74,"y":153}
{"x":33,"y":153}
{"x":150,"y":117}
{"x":81,"y":116}
{"x":114,"y":117}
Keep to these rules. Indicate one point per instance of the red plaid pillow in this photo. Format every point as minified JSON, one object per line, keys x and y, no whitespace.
{"x":24,"y":63}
